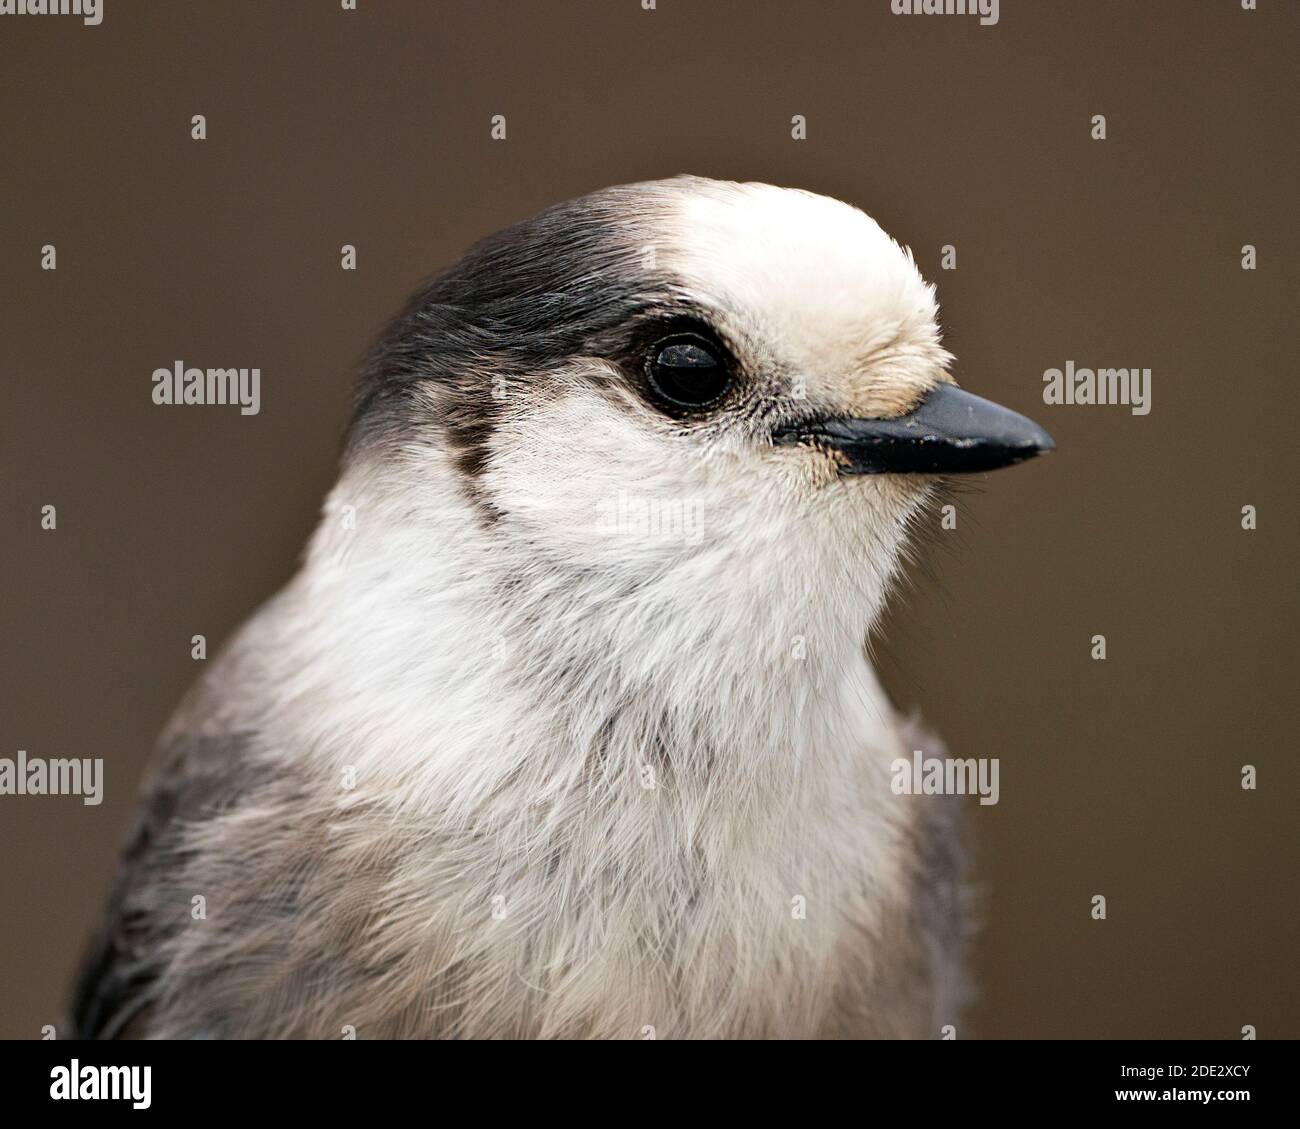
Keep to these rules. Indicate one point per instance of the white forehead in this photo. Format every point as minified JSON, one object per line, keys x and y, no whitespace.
{"x":814,"y":271}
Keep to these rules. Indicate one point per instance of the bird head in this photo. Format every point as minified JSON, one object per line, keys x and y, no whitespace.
{"x":679,"y":392}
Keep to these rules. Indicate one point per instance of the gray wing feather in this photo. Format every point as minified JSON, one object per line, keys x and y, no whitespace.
{"x":114,"y":990}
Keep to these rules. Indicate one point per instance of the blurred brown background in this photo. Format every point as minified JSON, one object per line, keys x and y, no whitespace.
{"x":328,"y":127}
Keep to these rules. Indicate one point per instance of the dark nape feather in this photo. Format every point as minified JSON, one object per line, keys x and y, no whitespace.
{"x":568,"y":282}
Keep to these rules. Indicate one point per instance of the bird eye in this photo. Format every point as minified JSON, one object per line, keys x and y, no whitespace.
{"x":688,"y":371}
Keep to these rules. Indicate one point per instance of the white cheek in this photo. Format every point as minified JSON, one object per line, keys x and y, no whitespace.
{"x":599,"y":484}
{"x":599,"y":496}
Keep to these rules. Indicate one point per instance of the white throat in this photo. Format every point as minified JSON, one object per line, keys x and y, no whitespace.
{"x":426,"y":630}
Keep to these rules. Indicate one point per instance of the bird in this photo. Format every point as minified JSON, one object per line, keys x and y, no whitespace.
{"x":567,"y":725}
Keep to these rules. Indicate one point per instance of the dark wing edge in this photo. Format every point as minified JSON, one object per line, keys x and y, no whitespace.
{"x":115,"y":987}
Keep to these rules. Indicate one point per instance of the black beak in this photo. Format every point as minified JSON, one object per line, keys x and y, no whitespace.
{"x":949,"y":432}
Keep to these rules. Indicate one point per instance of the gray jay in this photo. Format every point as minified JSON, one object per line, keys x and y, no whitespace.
{"x":566,"y":727}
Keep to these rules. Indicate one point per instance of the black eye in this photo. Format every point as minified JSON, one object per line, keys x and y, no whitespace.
{"x":688,"y":371}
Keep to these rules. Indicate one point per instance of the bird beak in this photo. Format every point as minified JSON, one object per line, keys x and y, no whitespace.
{"x":949,"y":432}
